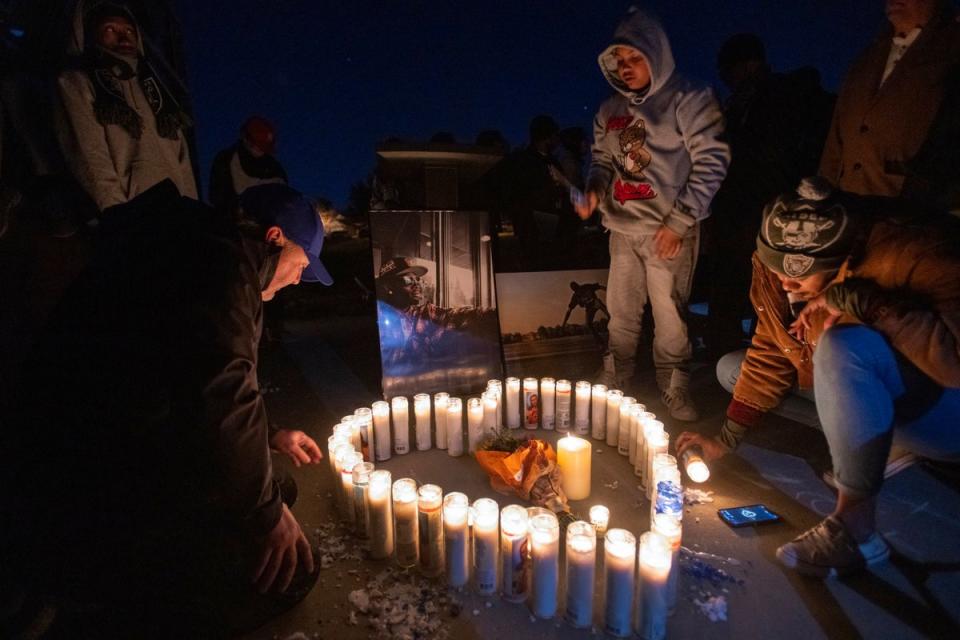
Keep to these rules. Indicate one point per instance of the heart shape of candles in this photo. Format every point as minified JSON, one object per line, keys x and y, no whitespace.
{"x":515,"y":550}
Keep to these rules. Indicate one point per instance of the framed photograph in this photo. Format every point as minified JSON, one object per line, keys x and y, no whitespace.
{"x":436,"y":301}
{"x":553,"y":323}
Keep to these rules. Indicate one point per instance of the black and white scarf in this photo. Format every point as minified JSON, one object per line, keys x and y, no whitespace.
{"x":110,"y":107}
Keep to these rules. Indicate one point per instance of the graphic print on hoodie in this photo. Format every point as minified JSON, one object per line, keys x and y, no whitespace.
{"x":658,"y":157}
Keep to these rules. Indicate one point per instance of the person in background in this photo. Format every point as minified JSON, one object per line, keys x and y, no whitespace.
{"x":154,"y":502}
{"x":120,"y":127}
{"x":776,"y":124}
{"x":658,"y":159}
{"x":903,"y":87}
{"x":522,"y":185}
{"x":247,"y":163}
{"x":858,"y":298}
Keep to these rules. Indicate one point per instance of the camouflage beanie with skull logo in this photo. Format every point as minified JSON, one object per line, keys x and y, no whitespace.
{"x":806,"y":232}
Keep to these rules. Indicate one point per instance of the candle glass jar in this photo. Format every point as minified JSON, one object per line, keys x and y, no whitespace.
{"x":430,"y":505}
{"x":456,"y":538}
{"x":380,"y":514}
{"x":486,"y":545}
{"x":361,"y":496}
{"x":581,"y":564}
{"x":513,"y":553}
{"x":545,"y":560}
{"x":406,"y":529}
{"x":619,"y":578}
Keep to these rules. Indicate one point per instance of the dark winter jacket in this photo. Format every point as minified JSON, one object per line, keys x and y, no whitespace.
{"x":142,"y":409}
{"x":876,"y":141}
{"x":235,"y":170}
{"x":776,"y":125}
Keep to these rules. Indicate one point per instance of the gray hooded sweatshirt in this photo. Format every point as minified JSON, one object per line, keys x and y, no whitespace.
{"x":658,"y":155}
{"x":110,"y":164}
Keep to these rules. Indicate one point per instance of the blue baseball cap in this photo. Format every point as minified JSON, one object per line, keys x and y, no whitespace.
{"x":285,"y":207}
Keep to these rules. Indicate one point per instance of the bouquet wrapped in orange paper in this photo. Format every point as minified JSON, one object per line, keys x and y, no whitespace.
{"x":529,"y":471}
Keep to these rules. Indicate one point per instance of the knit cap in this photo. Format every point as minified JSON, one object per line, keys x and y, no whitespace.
{"x":807,"y":231}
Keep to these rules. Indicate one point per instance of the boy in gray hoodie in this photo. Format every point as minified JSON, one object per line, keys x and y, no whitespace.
{"x":658,"y":159}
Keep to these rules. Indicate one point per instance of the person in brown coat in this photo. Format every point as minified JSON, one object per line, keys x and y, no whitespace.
{"x":892,"y":95}
{"x":866,"y":293}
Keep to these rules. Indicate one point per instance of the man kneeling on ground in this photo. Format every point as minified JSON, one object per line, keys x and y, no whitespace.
{"x":871,"y":302}
{"x":146,"y":494}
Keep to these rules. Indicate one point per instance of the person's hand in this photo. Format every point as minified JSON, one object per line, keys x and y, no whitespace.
{"x":297,"y":446}
{"x":284,"y":548}
{"x":801,"y":326}
{"x":585,"y":206}
{"x":712,"y":447}
{"x":667,"y":244}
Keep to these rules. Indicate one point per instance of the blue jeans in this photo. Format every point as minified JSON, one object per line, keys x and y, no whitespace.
{"x":867,"y":395}
{"x":797,"y":406}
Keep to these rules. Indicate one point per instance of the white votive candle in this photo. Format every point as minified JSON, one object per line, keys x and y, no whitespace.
{"x":632,"y":439}
{"x":581,"y":570}
{"x":361,"y":495}
{"x":486,"y":545}
{"x":658,"y":443}
{"x":456,"y":538}
{"x":548,"y":403}
{"x":496,"y":386}
{"x":474,"y":424}
{"x":353,"y":428}
{"x":573,"y":458}
{"x":347,"y":464}
{"x":490,"y":408}
{"x":623,"y":437}
{"x":513,"y":403}
{"x":619,"y":565}
{"x":401,"y":425}
{"x":642,"y":419}
{"x":364,"y":421}
{"x":440,"y":403}
{"x":545,"y":558}
{"x":694,"y":464}
{"x":431,"y":530}
{"x":513,"y":553}
{"x":380,"y":515}
{"x":455,"y":427}
{"x":654,"y":557}
{"x":421,"y":408}
{"x":650,"y":429}
{"x":531,"y":404}
{"x":614,"y":397}
{"x":600,"y":518}
{"x":672,"y":531}
{"x":667,"y":493}
{"x":563,"y":406}
{"x":333,"y":442}
{"x":581,"y":424}
{"x":598,"y":412}
{"x":381,"y":430}
{"x":339,"y":456}
{"x":406,"y":523}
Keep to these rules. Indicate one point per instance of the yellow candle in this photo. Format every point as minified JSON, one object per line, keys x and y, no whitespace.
{"x":573,"y":457}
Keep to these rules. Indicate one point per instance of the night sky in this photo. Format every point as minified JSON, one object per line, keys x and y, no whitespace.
{"x":337,"y":77}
